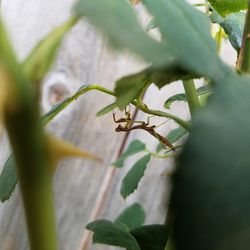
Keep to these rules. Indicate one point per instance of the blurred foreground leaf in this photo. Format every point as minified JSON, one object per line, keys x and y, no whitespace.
{"x":211,"y":186}
{"x":233,"y":26}
{"x":123,"y":29}
{"x":130,"y":87}
{"x":195,"y":53}
{"x":39,"y":61}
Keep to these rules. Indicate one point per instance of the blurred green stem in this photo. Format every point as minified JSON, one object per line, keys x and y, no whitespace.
{"x":243,"y":63}
{"x":219,"y":39}
{"x":28,"y":144}
{"x":192,"y":97}
{"x":22,"y":119}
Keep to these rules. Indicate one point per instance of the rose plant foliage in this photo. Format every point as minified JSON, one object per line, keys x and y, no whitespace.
{"x":210,"y":199}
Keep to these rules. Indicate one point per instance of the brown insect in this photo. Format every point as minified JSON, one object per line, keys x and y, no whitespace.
{"x":142,"y":125}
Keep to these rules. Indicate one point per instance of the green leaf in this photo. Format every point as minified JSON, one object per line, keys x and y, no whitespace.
{"x":134,"y":175}
{"x":134,"y":147}
{"x":132,"y":217}
{"x":8,"y":179}
{"x":57,"y":108}
{"x":106,"y":232}
{"x":233,"y":26}
{"x":182,"y":97}
{"x":225,"y":7}
{"x":176,"y":134}
{"x":123,"y":29}
{"x":211,"y":186}
{"x":188,"y":36}
{"x":38,"y":63}
{"x":151,"y":237}
{"x":106,"y":109}
{"x":174,"y":98}
{"x":173,"y":136}
{"x":130,"y":87}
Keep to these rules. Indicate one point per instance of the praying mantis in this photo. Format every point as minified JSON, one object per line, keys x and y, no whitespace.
{"x":128,"y":126}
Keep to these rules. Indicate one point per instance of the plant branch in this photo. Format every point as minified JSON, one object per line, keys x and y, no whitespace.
{"x":145,"y":109}
{"x":243,"y":63}
{"x":141,"y":106}
{"x":192,"y":97}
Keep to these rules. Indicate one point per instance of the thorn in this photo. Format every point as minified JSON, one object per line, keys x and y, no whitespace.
{"x":58,"y":149}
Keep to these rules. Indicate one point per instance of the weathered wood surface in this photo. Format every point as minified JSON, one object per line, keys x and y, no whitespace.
{"x":83,"y":190}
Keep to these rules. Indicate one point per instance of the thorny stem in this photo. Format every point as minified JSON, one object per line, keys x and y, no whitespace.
{"x":243,"y":63}
{"x":191,"y":94}
{"x":25,"y":132}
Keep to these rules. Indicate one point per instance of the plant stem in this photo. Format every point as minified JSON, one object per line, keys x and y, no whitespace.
{"x":51,"y":114}
{"x":28,"y":145}
{"x":219,"y":39}
{"x":145,"y":109}
{"x":243,"y":63}
{"x":22,"y":118}
{"x":192,"y":97}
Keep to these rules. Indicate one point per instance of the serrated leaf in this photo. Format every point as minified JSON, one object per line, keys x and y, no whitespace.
{"x":106,"y":232}
{"x":39,"y":61}
{"x":106,"y":109}
{"x":176,"y":134}
{"x":134,"y":147}
{"x":132,"y":217}
{"x":225,"y":7}
{"x":211,"y":187}
{"x":233,"y":25}
{"x":123,"y":29}
{"x":182,"y":97}
{"x":57,"y":108}
{"x":130,"y":87}
{"x":151,"y":237}
{"x":8,"y":179}
{"x":192,"y":44}
{"x":173,"y":136}
{"x":134,"y":175}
